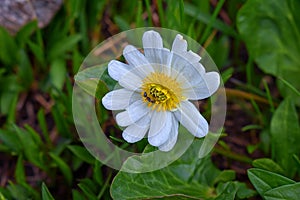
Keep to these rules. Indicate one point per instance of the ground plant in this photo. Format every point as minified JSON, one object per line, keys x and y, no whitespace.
{"x":255,"y":46}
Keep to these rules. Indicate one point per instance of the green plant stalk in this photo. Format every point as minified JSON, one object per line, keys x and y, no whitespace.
{"x":212,"y":20}
{"x":269,"y":97}
{"x":149,"y":13}
{"x":106,"y":184}
{"x":161,"y":13}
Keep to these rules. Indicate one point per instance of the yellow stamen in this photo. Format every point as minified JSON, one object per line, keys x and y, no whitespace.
{"x":161,"y":92}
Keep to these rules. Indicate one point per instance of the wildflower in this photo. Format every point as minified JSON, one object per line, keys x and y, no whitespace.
{"x":158,"y":86}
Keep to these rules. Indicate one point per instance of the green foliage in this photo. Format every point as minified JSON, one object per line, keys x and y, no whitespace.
{"x":38,"y":140}
{"x":187,"y":177}
{"x":273,"y":186}
{"x":270,"y":42}
{"x":285,"y":135}
{"x":46,"y":195}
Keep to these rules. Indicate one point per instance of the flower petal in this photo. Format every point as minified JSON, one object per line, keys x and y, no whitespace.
{"x":133,"y":113}
{"x":179,"y":44}
{"x":191,"y":71}
{"x":153,"y":48}
{"x":117,"y":69}
{"x":119,"y":99}
{"x":191,"y":119}
{"x":152,"y":39}
{"x":130,"y":81}
{"x":136,"y":59}
{"x":170,"y":143}
{"x":140,"y":125}
{"x":134,"y":133}
{"x":204,"y":87}
{"x":160,"y":128}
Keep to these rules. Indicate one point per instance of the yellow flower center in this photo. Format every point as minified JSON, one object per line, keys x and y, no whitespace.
{"x":161,"y":92}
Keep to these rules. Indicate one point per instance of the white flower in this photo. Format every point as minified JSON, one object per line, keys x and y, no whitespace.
{"x":157,"y":87}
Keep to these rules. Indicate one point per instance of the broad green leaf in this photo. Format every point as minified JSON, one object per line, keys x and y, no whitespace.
{"x":82,"y":153}
{"x":268,"y":164}
{"x":187,"y":177}
{"x":64,"y":168}
{"x":285,"y":136}
{"x":264,"y":181}
{"x":46,"y":195}
{"x":271,"y":31}
{"x":233,"y":190}
{"x":291,"y":191}
{"x":224,"y":176}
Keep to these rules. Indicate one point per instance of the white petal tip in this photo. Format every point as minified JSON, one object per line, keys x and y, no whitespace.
{"x":213,"y":81}
{"x":129,"y":48}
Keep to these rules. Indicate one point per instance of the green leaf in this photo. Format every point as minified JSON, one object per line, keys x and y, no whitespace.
{"x":193,"y":11}
{"x":21,"y":192}
{"x":123,"y":24}
{"x":187,"y":177}
{"x":37,"y":51}
{"x":82,"y":153}
{"x":25,"y":70}
{"x":89,"y":78}
{"x":77,"y":196}
{"x":263,"y":26}
{"x":264,"y":181}
{"x":43,"y":125}
{"x":60,"y":47}
{"x":9,"y":48}
{"x":285,"y":136}
{"x":97,"y":173}
{"x":58,"y":73}
{"x":35,"y":136}
{"x":20,"y":171}
{"x":224,"y":176}
{"x":25,"y":32}
{"x":89,"y":188}
{"x":64,"y":168}
{"x":268,"y":164}
{"x":233,"y":190}
{"x":46,"y":195}
{"x":2,"y":197}
{"x":31,"y":149}
{"x":284,"y":192}
{"x":60,"y":120}
{"x":10,"y":139}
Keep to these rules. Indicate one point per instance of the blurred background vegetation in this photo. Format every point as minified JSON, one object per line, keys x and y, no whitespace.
{"x":256,"y":48}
